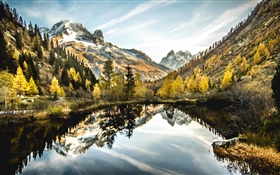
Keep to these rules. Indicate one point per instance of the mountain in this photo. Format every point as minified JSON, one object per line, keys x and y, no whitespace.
{"x":176,"y":60}
{"x":92,"y":50}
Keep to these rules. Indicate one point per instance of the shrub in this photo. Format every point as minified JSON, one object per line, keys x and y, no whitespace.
{"x":54,"y":112}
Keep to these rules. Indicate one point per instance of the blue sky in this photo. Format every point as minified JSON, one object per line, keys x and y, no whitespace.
{"x":155,"y":26}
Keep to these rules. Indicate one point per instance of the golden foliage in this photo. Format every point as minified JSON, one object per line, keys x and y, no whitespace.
{"x":204,"y":84}
{"x":244,"y":65}
{"x":20,"y":84}
{"x":33,"y":87}
{"x":192,"y":84}
{"x":237,"y":59}
{"x":227,"y":79}
{"x":96,"y":93}
{"x":177,"y":86}
{"x":55,"y":87}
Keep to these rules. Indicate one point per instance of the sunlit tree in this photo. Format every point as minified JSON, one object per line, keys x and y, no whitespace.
{"x":204,"y":84}
{"x":178,"y":86}
{"x":20,"y":84}
{"x":96,"y":93}
{"x":33,"y":89}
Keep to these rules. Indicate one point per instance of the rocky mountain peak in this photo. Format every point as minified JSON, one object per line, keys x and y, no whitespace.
{"x":176,"y":60}
{"x":98,"y":36}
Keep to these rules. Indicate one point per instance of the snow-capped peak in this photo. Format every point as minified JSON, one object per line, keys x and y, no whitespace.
{"x":70,"y":31}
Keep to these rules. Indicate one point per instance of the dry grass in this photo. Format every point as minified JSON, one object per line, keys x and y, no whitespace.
{"x":263,"y":160}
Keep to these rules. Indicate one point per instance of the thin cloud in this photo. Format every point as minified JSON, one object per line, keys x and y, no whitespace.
{"x":197,"y":17}
{"x":136,"y":11}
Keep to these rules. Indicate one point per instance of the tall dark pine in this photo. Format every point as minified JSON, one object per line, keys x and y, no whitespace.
{"x":129,"y":87}
{"x":6,"y":61}
{"x":276,"y":87}
{"x":107,"y":74}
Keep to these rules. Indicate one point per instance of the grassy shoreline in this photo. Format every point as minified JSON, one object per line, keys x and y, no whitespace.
{"x":260,"y":159}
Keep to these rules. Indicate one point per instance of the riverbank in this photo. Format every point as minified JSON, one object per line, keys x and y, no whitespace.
{"x":262,"y":160}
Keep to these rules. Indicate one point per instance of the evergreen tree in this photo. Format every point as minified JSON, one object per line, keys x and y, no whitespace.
{"x":129,"y":86}
{"x":276,"y":87}
{"x":65,"y":79}
{"x":107,"y":78}
{"x":18,"y":38}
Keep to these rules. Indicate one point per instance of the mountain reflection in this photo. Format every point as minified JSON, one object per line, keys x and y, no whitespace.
{"x":74,"y":136}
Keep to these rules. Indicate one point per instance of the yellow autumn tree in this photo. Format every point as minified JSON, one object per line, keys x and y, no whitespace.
{"x":87,"y":84}
{"x":177,"y":86}
{"x":33,"y":89}
{"x":227,"y":79}
{"x":6,"y":87}
{"x":55,"y":87}
{"x":166,"y":90}
{"x":257,"y":58}
{"x":192,"y":84}
{"x":186,"y":82}
{"x":140,"y":88}
{"x":71,"y":86}
{"x":244,"y":65}
{"x":204,"y":84}
{"x":96,"y":93}
{"x":20,"y":84}
{"x":237,"y":59}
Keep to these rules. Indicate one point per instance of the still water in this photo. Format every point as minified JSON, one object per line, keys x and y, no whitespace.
{"x":120,"y":140}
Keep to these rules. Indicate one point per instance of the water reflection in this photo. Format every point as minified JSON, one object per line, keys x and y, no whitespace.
{"x":21,"y":144}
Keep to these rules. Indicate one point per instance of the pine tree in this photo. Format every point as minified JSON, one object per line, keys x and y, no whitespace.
{"x":20,"y":84}
{"x":107,"y":78}
{"x":33,"y":87}
{"x":129,"y":86}
{"x":275,"y":86}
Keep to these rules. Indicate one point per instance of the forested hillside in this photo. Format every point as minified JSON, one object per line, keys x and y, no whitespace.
{"x":31,"y":63}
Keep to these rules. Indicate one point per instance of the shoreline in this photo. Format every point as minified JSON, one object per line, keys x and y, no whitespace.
{"x":260,"y":159}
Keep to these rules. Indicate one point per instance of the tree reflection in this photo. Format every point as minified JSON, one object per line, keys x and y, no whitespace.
{"x":118,"y":119}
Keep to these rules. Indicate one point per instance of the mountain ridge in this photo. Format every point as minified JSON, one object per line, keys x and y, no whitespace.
{"x":93,"y":50}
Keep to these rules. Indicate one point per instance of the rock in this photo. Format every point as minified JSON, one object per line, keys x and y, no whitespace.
{"x":98,"y":36}
{"x":225,"y":143}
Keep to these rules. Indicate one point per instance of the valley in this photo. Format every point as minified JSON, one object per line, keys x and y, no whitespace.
{"x":59,"y":77}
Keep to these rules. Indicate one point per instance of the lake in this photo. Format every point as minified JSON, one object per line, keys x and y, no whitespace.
{"x":138,"y":139}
